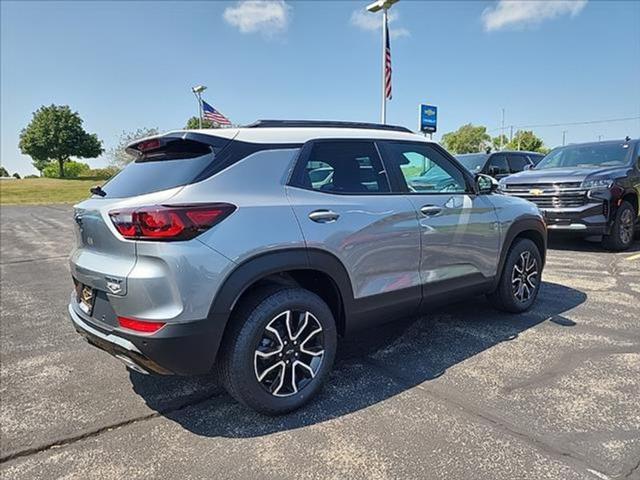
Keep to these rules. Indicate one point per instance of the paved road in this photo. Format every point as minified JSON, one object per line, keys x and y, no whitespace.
{"x":463,"y":393}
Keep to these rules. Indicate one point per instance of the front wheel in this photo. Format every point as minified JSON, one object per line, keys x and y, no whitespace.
{"x":279,"y":351}
{"x":520,"y":280}
{"x":622,"y":230}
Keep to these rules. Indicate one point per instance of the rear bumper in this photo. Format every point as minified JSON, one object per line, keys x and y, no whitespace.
{"x":176,"y":349}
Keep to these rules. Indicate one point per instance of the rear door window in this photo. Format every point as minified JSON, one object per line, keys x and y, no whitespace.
{"x":352,"y":167}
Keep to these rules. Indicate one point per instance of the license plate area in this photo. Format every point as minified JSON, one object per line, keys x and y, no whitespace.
{"x":86,"y":298}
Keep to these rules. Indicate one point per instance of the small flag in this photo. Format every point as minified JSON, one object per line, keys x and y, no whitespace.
{"x":210,"y":113}
{"x":387,"y":65}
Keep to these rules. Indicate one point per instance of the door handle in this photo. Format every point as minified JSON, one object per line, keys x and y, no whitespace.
{"x":430,"y":210}
{"x":324,"y":216}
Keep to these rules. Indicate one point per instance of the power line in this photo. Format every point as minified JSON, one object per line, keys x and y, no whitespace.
{"x":589,"y":122}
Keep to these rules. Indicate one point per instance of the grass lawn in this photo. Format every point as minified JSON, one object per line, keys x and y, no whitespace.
{"x":33,"y":191}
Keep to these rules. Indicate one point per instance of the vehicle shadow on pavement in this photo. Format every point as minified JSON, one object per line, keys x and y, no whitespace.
{"x":370,"y":368}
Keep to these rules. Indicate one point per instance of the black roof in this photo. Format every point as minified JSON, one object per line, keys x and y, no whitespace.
{"x":325,"y":124}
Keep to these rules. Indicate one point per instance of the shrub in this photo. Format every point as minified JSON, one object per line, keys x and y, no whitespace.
{"x":71,"y":170}
{"x":16,"y":175}
{"x":32,"y":176}
{"x":100,"y":173}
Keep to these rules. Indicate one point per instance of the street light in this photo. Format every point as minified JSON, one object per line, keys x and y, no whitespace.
{"x":374,"y":7}
{"x":197,"y":91}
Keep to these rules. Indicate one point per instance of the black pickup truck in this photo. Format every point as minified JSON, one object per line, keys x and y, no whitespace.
{"x":588,"y":189}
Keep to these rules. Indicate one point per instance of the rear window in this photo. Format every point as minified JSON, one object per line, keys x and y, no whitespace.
{"x":179,"y":162}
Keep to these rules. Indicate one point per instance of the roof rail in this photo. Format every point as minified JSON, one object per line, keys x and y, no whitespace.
{"x":325,"y":124}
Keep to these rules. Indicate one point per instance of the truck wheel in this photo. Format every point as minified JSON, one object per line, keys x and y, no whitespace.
{"x":279,"y":350}
{"x":520,"y":280}
{"x":622,"y":229}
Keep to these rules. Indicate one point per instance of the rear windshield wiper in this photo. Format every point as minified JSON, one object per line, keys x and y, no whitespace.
{"x":97,"y":190}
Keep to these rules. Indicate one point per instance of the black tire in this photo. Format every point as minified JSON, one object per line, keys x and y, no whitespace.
{"x":621,"y":236}
{"x":241,"y":363}
{"x":509,"y":296}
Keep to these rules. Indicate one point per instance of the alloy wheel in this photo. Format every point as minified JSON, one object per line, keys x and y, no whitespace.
{"x":524,"y":277}
{"x":289,"y":353}
{"x":626,"y":226}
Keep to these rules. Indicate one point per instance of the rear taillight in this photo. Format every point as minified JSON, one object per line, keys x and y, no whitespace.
{"x":140,"y":325}
{"x":169,"y":223}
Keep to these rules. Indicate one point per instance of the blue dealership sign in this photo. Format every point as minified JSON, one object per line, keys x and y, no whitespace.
{"x":428,"y":118}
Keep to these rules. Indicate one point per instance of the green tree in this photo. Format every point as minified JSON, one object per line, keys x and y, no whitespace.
{"x":55,"y":133}
{"x":118,"y":157}
{"x":71,"y":170}
{"x":467,"y":139}
{"x":527,"y":140}
{"x":193,"y":124}
{"x":3,"y":172}
{"x":499,"y":142}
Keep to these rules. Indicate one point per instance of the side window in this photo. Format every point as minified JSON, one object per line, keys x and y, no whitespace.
{"x":498,"y":165}
{"x":344,"y":167}
{"x":517,"y":163}
{"x":423,"y":169}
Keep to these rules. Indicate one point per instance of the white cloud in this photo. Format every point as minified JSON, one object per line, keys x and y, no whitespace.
{"x":373,"y":21}
{"x":265,"y":16}
{"x":517,"y":13}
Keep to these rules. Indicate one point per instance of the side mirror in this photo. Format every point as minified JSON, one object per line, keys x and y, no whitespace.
{"x":486,"y":184}
{"x":528,"y":166}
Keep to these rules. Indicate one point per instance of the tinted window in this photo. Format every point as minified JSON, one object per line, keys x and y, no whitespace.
{"x":175,"y":162}
{"x":351,"y":167}
{"x":473,"y":161}
{"x":498,"y":165}
{"x":139,"y":178}
{"x":423,"y":168}
{"x":517,"y":163}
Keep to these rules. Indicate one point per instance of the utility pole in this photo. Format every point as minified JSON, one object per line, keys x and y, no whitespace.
{"x":502,"y":131}
{"x":376,"y":6}
{"x":197,"y":91}
{"x":599,"y":138}
{"x":511,"y":134}
{"x":564,"y":137}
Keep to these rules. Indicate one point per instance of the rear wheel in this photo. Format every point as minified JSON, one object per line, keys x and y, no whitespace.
{"x":521,"y":277}
{"x":622,"y":230}
{"x":279,"y":351}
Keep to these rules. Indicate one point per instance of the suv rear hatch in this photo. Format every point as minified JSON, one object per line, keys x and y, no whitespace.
{"x":103,"y":259}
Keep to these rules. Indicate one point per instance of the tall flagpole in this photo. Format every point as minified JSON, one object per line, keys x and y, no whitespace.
{"x":383,"y":118}
{"x":375,"y":7}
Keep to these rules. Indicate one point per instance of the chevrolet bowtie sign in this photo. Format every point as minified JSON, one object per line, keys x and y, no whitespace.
{"x":536,"y":192}
{"x":428,"y":118}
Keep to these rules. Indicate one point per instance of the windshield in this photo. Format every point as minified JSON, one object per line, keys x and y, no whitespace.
{"x":587,"y":156}
{"x":473,"y":161}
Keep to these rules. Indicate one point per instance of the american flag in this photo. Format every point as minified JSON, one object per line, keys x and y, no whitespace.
{"x":387,"y":64}
{"x":210,"y":113}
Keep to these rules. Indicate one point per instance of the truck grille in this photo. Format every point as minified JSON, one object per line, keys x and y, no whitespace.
{"x":549,"y":195}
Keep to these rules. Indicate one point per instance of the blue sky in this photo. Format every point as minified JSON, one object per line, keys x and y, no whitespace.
{"x":124,"y":65}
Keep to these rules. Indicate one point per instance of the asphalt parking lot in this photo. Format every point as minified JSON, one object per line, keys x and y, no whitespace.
{"x":464,"y":393}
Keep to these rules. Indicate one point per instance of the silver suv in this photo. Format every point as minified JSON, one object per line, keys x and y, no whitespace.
{"x":215,"y":249}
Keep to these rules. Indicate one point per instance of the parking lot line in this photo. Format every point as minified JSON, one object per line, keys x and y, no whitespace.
{"x":634,"y":257}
